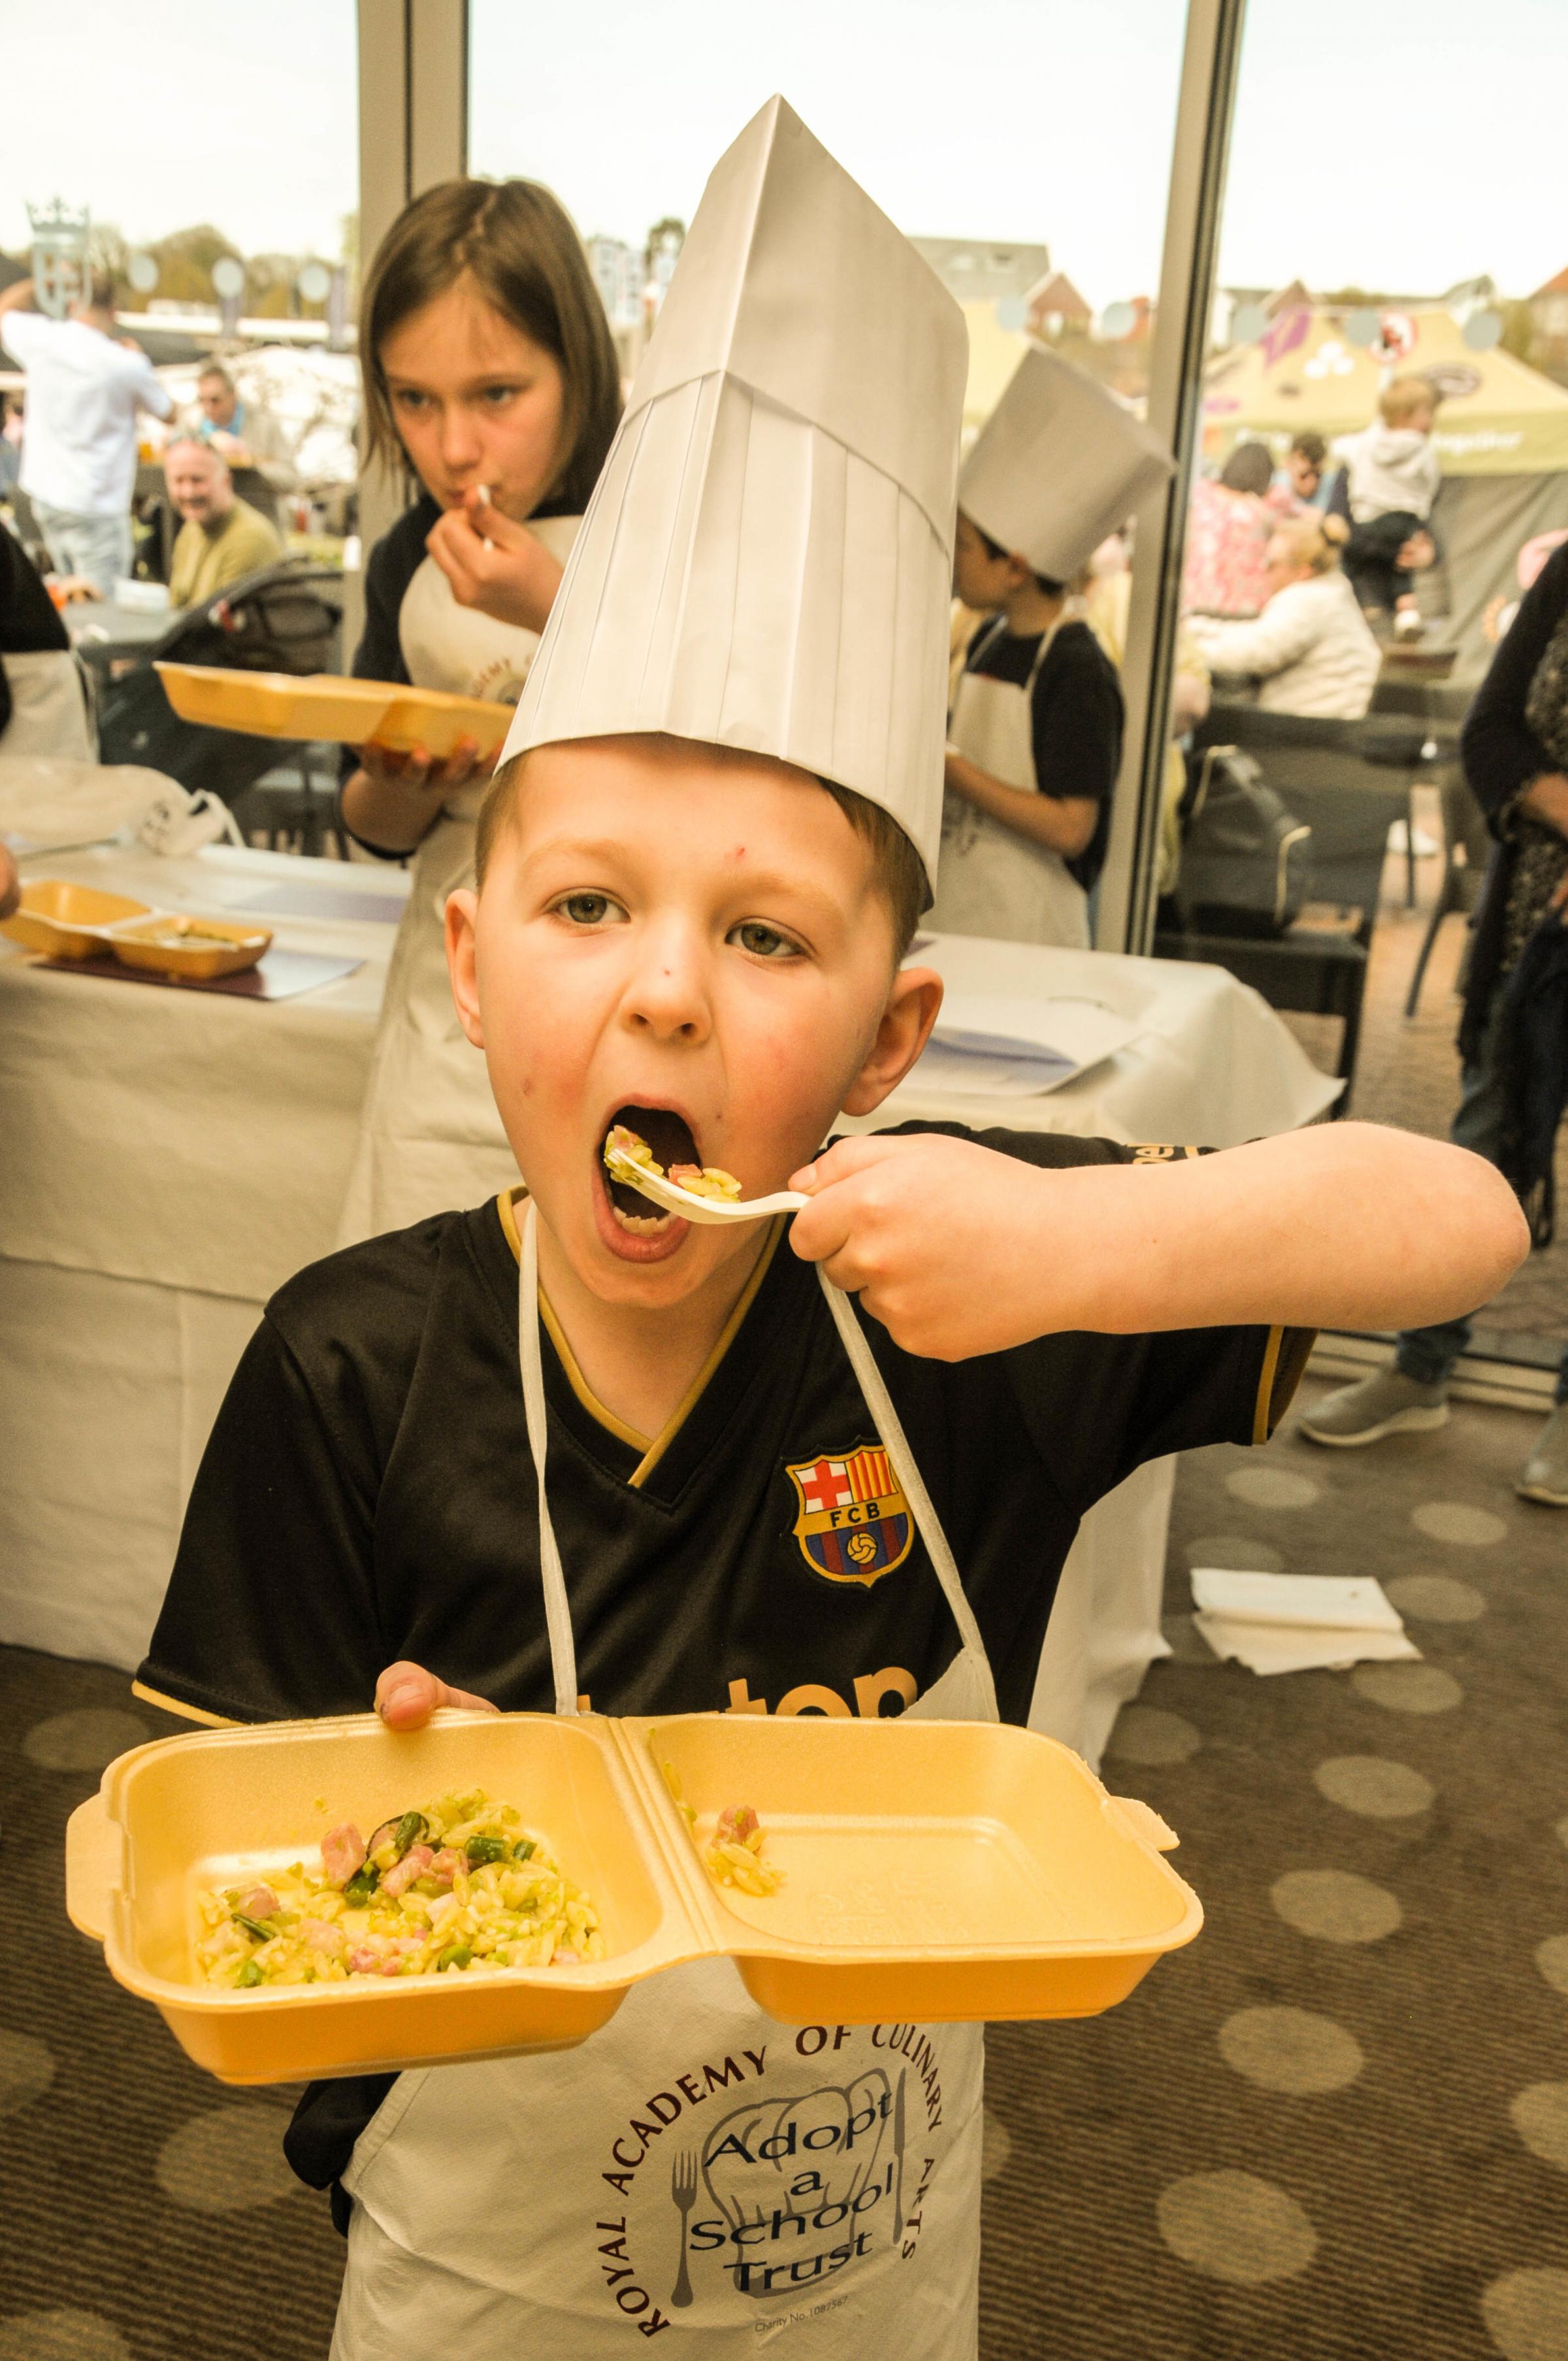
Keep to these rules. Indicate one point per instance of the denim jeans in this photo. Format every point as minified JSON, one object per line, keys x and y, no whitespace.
{"x":99,"y":548}
{"x":1428,"y":1354}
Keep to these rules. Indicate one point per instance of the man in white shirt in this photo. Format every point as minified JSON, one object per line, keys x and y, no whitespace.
{"x":85,"y":386}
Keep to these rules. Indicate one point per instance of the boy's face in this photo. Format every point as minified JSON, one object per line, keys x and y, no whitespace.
{"x":691,"y":942}
{"x":981,"y":580}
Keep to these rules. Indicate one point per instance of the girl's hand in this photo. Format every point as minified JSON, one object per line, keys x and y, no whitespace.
{"x":406,"y":1696}
{"x":394,"y":799}
{"x":494,"y":565}
{"x":931,"y":1232}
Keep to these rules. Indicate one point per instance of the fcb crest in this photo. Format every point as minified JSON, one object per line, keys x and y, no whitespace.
{"x":854,"y":1523}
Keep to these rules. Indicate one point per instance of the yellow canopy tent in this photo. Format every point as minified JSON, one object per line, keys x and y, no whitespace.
{"x":1501,"y":438}
{"x":1498,"y":417}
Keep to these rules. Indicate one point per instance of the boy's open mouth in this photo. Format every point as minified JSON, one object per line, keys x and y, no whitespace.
{"x":670,"y":1136}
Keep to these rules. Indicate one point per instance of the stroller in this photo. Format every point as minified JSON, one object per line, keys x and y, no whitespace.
{"x":286,"y":617}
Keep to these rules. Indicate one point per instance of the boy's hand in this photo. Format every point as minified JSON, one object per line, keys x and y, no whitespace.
{"x":406,"y":1696}
{"x":927,"y":1231}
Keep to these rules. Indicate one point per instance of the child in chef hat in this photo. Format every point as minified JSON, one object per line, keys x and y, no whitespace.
{"x":715,"y":1481}
{"x":1034,"y":735}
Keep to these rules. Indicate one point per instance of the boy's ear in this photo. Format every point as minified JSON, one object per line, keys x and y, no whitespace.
{"x":462,"y":913}
{"x":912,"y":1009}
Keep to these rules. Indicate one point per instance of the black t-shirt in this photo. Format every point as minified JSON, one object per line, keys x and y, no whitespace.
{"x":30,"y":620}
{"x":367,"y":1494}
{"x":1077,"y":716}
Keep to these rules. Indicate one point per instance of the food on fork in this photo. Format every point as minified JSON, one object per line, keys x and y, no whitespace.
{"x":623,"y":1147}
{"x":458,"y":1886}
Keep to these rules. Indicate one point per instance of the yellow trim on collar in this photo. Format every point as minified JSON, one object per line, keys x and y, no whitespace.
{"x":179,"y":1706}
{"x":652,"y":1449}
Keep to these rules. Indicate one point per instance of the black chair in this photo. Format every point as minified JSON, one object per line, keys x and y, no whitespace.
{"x":285,"y":617}
{"x":1336,"y":778}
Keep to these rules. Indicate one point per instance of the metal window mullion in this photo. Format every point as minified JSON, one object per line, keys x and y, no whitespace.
{"x":1199,"y":157}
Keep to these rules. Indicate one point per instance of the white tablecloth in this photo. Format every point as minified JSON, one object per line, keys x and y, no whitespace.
{"x":167,"y":1159}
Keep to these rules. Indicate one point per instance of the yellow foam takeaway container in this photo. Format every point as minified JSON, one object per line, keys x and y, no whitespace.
{"x":330,"y":706}
{"x":933,"y":1871}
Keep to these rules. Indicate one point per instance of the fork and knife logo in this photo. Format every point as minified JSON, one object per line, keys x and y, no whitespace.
{"x":797,"y":2189}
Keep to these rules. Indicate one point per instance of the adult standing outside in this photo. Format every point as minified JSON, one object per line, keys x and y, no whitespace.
{"x":84,"y":388}
{"x":1310,"y":650}
{"x":1515,"y":750}
{"x":220,"y":536}
{"x":247,"y":437}
{"x":490,"y":380}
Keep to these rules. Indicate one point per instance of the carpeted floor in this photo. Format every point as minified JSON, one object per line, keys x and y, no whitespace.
{"x":1336,"y":2126}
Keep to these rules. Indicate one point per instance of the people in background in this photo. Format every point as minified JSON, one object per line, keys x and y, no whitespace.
{"x":1301,"y":483}
{"x":1309,"y":651}
{"x":249,"y":439}
{"x":222,"y":537}
{"x":1515,"y":749}
{"x":84,"y":388}
{"x":42,"y":708}
{"x":492,"y":383}
{"x":1227,"y":531}
{"x":1391,"y":481}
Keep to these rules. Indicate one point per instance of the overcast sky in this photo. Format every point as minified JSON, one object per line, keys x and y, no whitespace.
{"x":1376,"y":141}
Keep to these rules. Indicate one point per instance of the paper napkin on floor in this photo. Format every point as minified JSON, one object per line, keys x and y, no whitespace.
{"x":1297,"y":1622}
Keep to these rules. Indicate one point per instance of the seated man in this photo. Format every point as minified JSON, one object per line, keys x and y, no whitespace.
{"x":222,"y":537}
{"x":249,"y":437}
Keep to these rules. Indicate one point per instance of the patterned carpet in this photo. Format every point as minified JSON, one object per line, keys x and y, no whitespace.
{"x":1336,"y":2126}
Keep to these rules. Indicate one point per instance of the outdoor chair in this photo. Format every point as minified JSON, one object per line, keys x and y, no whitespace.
{"x":1339,"y":779}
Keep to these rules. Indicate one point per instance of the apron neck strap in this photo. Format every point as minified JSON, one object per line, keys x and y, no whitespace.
{"x":890,"y":1430}
{"x":557,"y":1610}
{"x":901,"y":1459}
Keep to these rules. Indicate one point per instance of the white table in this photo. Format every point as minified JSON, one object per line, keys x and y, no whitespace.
{"x":168,"y":1159}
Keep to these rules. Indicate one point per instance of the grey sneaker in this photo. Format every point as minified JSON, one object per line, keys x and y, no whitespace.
{"x":1386,"y":1403}
{"x":1544,"y":1476}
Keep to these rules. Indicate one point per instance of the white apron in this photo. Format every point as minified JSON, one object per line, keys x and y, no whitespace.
{"x":48,"y":712}
{"x":990,"y":880}
{"x":430,"y":1137}
{"x":697,"y":2168}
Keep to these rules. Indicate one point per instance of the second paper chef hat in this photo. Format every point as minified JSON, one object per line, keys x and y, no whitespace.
{"x":1058,"y":464}
{"x":767,"y":562}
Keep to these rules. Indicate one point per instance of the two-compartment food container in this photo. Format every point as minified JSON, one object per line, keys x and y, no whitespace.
{"x":934,"y":1871}
{"x":65,"y":921}
{"x":333,"y":707}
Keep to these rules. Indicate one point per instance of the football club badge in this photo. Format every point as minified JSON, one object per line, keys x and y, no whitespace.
{"x":854,"y":1523}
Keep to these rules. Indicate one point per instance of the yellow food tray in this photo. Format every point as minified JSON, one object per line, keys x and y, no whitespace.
{"x":199,"y":949}
{"x":66,"y":921}
{"x":325,"y":705}
{"x":935,"y":1871}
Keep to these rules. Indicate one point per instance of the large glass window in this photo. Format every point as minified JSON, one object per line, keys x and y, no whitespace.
{"x":1384,"y":465}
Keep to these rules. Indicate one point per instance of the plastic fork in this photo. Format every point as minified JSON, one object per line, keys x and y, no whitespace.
{"x":686,"y":1202}
{"x":683,"y":2190}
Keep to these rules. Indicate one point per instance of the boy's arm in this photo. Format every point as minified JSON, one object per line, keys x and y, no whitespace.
{"x":957,"y":1249}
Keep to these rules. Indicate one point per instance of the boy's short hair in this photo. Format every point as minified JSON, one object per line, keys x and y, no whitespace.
{"x":1404,"y":398}
{"x":900,"y":872}
{"x":1310,"y":446}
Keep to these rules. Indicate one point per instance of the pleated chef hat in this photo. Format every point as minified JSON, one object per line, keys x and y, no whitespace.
{"x":767,"y":562}
{"x":1058,"y":464}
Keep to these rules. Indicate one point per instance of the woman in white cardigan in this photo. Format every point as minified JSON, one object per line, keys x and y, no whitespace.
{"x":1310,"y":650}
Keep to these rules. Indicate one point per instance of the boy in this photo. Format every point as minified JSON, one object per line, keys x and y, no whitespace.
{"x":1034,"y":735}
{"x":1392,"y":477}
{"x":699,"y":869}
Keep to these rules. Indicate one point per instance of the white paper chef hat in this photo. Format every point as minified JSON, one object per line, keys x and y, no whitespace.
{"x":767,"y":562}
{"x":1058,"y":464}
